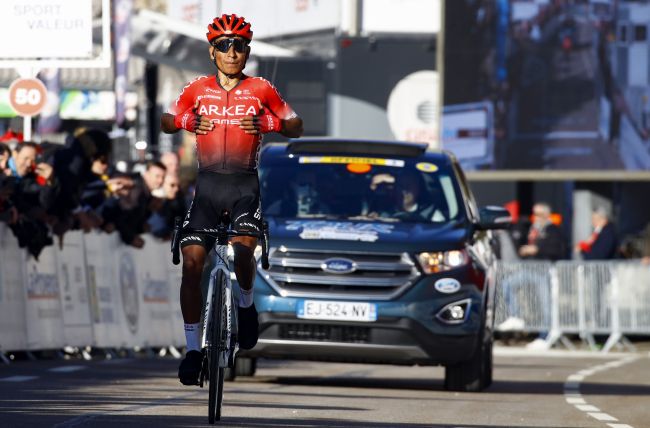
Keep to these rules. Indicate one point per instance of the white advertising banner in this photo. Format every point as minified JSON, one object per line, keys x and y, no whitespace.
{"x":103,"y":289}
{"x":281,"y":17}
{"x":174,"y":276}
{"x":199,"y":12}
{"x":129,"y":299}
{"x":13,"y":329}
{"x":75,"y":301}
{"x":46,"y":28}
{"x":153,"y":321}
{"x":43,"y":301}
{"x":401,"y":16}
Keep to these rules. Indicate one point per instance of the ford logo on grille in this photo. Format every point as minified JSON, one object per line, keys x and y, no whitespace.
{"x":339,"y":265}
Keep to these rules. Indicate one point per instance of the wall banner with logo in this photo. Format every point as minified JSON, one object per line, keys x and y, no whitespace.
{"x":73,"y":290}
{"x":43,"y":301}
{"x":13,"y":326}
{"x":103,"y":291}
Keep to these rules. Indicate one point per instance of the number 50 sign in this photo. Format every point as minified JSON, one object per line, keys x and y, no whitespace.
{"x":27,"y":96}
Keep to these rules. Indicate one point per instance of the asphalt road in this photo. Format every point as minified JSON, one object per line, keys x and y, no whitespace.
{"x":530,"y":390}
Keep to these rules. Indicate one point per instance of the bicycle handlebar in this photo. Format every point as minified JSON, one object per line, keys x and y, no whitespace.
{"x":220,"y":233}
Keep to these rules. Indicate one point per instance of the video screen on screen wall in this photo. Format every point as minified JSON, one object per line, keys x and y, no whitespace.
{"x":548,"y":85}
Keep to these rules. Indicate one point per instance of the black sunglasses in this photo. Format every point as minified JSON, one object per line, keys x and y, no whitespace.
{"x":224,"y":45}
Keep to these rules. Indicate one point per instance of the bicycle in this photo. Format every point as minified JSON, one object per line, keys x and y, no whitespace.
{"x":219,"y":341}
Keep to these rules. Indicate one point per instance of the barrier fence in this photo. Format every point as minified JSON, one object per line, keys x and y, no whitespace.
{"x":95,"y":291}
{"x":609,"y":298}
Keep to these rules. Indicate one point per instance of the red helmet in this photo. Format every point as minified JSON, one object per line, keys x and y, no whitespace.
{"x":229,"y":25}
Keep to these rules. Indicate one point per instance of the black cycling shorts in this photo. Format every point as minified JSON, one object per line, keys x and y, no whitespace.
{"x":239,"y":193}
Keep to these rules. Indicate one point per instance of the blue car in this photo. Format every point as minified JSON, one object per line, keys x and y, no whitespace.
{"x":378,"y":254}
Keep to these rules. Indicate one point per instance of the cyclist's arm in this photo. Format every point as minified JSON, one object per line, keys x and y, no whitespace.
{"x":292,"y":128}
{"x":167,"y":124}
{"x":192,"y":123}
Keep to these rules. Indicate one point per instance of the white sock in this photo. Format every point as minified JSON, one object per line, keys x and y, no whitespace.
{"x":245,"y":298}
{"x":193,"y":336}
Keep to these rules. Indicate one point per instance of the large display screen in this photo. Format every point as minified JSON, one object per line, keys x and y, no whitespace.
{"x":548,"y":85}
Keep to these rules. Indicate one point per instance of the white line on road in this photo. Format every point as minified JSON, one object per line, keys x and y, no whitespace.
{"x":572,"y":390}
{"x":66,"y":369}
{"x":17,"y":378}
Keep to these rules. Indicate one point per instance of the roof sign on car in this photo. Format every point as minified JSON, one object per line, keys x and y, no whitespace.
{"x":426,"y":167}
{"x":351,"y":159}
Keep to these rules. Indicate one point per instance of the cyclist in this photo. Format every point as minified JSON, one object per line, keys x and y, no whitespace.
{"x":228,"y":112}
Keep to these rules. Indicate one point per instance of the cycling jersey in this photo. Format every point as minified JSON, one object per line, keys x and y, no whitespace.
{"x":227,"y":147}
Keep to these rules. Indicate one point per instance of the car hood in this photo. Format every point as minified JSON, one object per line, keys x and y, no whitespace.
{"x":366,"y":235}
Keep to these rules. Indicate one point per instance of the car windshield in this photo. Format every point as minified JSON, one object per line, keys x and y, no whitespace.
{"x":352,"y":188}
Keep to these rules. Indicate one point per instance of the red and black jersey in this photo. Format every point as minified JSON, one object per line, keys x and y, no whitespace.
{"x":227,"y":147}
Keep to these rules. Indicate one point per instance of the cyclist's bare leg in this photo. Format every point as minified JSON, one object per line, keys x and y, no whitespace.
{"x":244,"y":247}
{"x":191,"y":300}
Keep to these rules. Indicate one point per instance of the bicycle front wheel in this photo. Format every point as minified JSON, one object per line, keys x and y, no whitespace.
{"x":216,"y":325}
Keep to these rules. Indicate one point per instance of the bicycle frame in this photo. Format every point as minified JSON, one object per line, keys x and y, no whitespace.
{"x":221,"y":264}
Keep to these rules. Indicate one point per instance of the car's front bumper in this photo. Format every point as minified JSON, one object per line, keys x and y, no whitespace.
{"x":388,"y":340}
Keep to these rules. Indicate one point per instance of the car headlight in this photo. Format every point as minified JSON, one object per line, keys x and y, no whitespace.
{"x":440,"y":261}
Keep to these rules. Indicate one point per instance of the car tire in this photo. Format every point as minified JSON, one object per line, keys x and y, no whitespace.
{"x":475,"y":374}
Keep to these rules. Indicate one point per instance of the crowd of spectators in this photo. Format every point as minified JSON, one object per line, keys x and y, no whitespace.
{"x":49,"y":189}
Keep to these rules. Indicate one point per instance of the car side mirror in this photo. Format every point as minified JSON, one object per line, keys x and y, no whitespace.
{"x":494,"y":217}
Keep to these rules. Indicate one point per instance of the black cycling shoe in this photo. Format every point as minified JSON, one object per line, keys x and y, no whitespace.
{"x":190,"y":368}
{"x":248,"y":330}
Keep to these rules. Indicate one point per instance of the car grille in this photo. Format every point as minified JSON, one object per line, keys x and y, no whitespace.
{"x":325,"y":333}
{"x":379,"y":276}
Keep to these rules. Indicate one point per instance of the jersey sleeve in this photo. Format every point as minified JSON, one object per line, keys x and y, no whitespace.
{"x":274,"y":101}
{"x":185,"y":100}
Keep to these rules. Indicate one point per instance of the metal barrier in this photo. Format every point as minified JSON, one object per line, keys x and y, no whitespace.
{"x":584,"y":298}
{"x":96,"y":291}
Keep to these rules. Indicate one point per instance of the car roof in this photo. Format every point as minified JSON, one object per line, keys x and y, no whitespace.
{"x":328,"y":145}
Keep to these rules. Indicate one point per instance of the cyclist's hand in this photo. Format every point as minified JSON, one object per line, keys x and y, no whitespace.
{"x":261,"y":123}
{"x":191,"y":121}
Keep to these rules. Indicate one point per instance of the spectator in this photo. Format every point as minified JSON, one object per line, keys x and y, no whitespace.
{"x":138,"y":206}
{"x":33,"y":191}
{"x":72,"y":166}
{"x":544,"y":239}
{"x":171,"y":161}
{"x":161,"y":222}
{"x":100,"y":196}
{"x":8,"y":212}
{"x":5,"y":154}
{"x":602,"y":243}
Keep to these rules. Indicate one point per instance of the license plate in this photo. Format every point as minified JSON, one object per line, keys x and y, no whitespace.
{"x":341,"y":311}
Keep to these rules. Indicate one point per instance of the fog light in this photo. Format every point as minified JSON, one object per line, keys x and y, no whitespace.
{"x":455,"y":313}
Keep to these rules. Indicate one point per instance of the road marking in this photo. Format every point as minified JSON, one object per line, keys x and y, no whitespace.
{"x":504,"y":351}
{"x":602,"y":416}
{"x":66,"y":369}
{"x":18,"y":378}
{"x":572,"y":390}
{"x":587,"y":408}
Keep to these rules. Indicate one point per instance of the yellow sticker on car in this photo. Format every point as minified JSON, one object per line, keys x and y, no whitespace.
{"x":351,"y":159}
{"x":426,"y":167}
